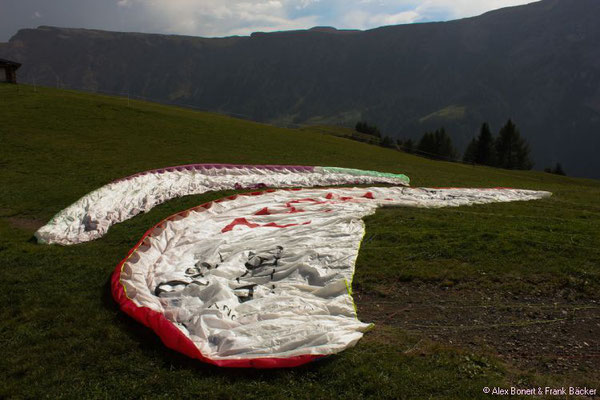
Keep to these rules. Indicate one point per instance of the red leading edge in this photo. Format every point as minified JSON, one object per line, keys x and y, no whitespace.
{"x":170,"y":335}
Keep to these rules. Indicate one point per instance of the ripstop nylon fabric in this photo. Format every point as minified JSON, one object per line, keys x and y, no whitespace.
{"x":262,"y":280}
{"x":91,"y":216}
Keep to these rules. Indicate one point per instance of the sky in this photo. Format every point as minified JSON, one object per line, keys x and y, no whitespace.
{"x":214,"y":18}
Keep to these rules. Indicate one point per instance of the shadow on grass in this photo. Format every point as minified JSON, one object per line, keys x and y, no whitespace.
{"x":151,"y":345}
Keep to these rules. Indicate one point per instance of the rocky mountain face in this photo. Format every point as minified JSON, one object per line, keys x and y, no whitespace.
{"x":538,"y":64}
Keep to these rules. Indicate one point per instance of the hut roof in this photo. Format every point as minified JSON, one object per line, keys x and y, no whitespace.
{"x":9,"y":63}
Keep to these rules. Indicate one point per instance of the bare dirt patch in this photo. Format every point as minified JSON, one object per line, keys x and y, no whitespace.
{"x":23,"y":223}
{"x":549,"y":335}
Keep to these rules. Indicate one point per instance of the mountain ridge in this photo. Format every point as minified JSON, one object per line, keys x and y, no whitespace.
{"x":537,"y":64}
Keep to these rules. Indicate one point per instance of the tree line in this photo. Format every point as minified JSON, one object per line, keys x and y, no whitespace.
{"x":364,"y":127}
{"x":507,"y":150}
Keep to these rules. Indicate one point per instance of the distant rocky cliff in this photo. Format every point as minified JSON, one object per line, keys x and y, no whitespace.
{"x":538,"y":64}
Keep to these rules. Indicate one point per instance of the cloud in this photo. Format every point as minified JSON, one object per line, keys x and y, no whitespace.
{"x":222,"y":17}
{"x":242,"y":17}
{"x":235,"y":17}
{"x":365,"y":20}
{"x":453,"y":9}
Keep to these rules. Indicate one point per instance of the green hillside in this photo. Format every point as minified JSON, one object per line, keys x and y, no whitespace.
{"x":524,"y":62}
{"x":343,"y":132}
{"x":491,"y":295}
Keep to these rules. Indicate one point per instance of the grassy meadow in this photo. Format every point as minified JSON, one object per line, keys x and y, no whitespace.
{"x":62,"y":336}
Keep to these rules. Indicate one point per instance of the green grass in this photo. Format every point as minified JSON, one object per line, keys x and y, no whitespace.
{"x":61,"y":334}
{"x":343,"y":132}
{"x":453,"y":112}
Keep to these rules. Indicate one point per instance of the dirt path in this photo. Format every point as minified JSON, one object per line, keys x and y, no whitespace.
{"x":547,"y":335}
{"x":26,"y":224}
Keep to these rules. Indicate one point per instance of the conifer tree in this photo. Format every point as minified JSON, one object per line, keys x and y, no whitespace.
{"x":512,"y":151}
{"x":558,"y":169}
{"x":437,"y":145}
{"x":388,"y":142}
{"x":408,"y":146}
{"x":364,"y":127}
{"x":444,"y":145}
{"x":427,"y":144}
{"x":471,"y":152}
{"x":484,"y":154}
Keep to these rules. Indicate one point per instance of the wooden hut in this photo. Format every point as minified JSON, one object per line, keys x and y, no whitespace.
{"x":8,"y":70}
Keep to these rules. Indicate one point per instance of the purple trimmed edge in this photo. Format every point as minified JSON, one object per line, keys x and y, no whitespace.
{"x":190,"y":167}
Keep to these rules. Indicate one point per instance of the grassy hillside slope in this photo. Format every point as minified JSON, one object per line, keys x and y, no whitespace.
{"x":535,"y":265}
{"x":527,"y":63}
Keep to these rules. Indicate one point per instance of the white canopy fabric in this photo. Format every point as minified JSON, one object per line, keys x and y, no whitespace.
{"x":91,"y":216}
{"x":264,"y":280}
{"x":255,"y":280}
